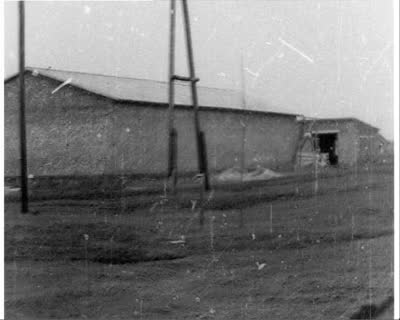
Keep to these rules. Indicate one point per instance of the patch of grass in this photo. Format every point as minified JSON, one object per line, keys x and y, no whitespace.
{"x":107,"y":243}
{"x":56,"y":306}
{"x":276,"y":241}
{"x":119,"y":244}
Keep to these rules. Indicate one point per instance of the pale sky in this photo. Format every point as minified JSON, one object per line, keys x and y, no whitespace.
{"x":317,"y":58}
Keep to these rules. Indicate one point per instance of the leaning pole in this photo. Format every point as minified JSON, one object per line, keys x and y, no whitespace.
{"x":22,"y":124}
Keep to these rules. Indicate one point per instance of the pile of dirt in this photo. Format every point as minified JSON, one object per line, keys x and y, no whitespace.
{"x":11,"y":190}
{"x":231,"y":174}
{"x":261,"y":174}
{"x":236,"y":174}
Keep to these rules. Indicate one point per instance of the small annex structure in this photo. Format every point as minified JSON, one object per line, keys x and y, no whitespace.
{"x":81,"y":124}
{"x":341,"y":141}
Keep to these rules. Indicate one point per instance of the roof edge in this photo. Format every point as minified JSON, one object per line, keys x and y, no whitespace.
{"x":142,"y":102}
{"x":201,"y":108}
{"x":341,"y":119}
{"x":125,"y":77}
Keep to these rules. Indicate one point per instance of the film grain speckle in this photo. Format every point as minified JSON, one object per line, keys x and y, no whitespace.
{"x":199,"y":159}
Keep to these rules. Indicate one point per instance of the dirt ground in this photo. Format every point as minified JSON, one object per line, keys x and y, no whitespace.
{"x":320,"y":252}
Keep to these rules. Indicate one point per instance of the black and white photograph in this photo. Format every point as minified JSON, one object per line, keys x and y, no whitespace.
{"x":200,"y":159}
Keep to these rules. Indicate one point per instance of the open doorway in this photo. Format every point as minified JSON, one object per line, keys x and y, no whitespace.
{"x":327,"y":145}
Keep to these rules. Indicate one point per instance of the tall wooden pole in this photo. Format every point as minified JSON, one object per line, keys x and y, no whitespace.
{"x":200,"y":137}
{"x":243,"y":124}
{"x":192,"y":76}
{"x":24,"y":173}
{"x":172,"y":135}
{"x":171,"y":70}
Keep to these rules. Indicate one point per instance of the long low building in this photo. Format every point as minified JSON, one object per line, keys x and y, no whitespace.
{"x":84,"y":124}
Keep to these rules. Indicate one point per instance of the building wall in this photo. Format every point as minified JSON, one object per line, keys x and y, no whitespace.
{"x":357,"y":141}
{"x":370,"y":146}
{"x":75,"y":132}
{"x":373,"y":149}
{"x":347,"y":145}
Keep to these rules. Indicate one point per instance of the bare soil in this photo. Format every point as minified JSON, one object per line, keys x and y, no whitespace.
{"x":267,"y":251}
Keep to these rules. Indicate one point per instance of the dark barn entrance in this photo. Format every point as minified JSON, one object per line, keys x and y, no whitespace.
{"x":327,"y":144}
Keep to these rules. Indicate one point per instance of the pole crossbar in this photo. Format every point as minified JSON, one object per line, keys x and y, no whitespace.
{"x":188,"y":79}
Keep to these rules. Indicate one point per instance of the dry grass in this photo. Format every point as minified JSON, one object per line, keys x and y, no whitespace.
{"x":325,"y":256}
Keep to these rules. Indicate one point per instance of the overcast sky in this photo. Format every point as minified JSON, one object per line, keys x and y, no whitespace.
{"x":317,"y":58}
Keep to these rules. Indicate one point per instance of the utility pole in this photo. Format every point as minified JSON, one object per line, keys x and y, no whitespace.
{"x":243,"y":124}
{"x":172,"y":134}
{"x":24,"y":173}
{"x":192,"y":79}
